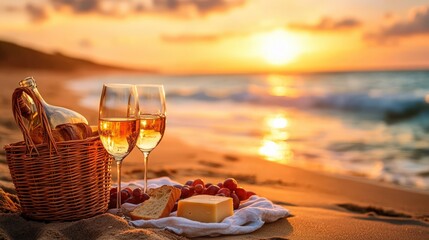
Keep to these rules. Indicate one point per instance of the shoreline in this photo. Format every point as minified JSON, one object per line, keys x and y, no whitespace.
{"x":324,"y":206}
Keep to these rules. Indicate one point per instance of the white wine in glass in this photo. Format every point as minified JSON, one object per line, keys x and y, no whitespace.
{"x":152,"y":120}
{"x":118,"y":125}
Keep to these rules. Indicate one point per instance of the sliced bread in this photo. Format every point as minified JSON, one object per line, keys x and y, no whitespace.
{"x":159,"y":205}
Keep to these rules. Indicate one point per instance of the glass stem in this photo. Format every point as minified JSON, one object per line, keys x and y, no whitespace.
{"x":146,"y":161}
{"x":118,"y":171}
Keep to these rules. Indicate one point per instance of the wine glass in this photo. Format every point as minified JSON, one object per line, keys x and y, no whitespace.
{"x":118,"y":124}
{"x":152,"y":120}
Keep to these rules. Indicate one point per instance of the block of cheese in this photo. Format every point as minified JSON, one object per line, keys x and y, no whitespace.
{"x":205,"y":208}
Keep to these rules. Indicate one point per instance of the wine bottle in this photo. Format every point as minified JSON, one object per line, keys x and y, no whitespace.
{"x":56,"y":115}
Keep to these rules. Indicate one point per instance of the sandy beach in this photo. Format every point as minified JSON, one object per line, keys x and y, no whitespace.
{"x":323,"y":206}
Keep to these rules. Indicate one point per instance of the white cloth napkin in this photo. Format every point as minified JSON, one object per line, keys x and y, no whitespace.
{"x":250,"y":216}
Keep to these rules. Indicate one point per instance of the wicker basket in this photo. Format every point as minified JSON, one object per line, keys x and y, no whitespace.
{"x":58,"y":181}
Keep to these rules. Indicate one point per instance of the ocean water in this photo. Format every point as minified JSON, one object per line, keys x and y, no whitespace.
{"x":369,"y":124}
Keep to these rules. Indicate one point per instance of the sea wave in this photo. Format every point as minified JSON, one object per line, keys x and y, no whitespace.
{"x":391,"y":108}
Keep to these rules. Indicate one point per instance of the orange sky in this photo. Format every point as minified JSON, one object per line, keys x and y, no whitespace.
{"x":226,"y":36}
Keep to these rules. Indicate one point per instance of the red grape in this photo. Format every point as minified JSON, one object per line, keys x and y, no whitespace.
{"x":220,"y":185}
{"x":230,"y":183}
{"x":199,"y":188}
{"x":112,"y":203}
{"x":189,"y":183}
{"x":241,"y":193}
{"x":125,"y":194}
{"x":249,"y":193}
{"x":113,"y":190}
{"x":191,"y":190}
{"x":208,"y":185}
{"x":144,"y":197}
{"x":137,"y":193}
{"x":198,"y":181}
{"x":212,"y":190}
{"x":186,"y":192}
{"x":128,"y":190}
{"x":178,"y":186}
{"x":235,"y":200}
{"x":225,"y":191}
{"x":113,"y":195}
{"x":133,"y":200}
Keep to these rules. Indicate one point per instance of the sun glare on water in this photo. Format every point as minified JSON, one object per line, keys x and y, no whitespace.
{"x":274,"y":145}
{"x":278,"y":47}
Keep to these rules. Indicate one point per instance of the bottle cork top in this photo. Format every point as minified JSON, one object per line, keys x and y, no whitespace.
{"x":28,"y":82}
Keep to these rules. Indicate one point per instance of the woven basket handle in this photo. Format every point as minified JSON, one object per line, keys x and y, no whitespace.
{"x":18,"y":115}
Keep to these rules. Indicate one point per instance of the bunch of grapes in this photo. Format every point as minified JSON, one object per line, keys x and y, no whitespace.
{"x":128,"y":195}
{"x":228,"y":188}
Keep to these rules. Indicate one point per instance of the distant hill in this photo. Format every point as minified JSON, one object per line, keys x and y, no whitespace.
{"x":16,"y":56}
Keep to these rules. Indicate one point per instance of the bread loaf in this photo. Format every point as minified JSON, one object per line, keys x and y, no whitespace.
{"x":159,"y":205}
{"x":63,"y":132}
{"x":74,"y":131}
{"x":37,"y":135}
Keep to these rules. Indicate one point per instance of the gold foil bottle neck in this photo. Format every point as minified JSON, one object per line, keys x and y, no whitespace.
{"x":28,"y":82}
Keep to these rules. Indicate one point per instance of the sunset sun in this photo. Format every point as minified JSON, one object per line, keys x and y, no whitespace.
{"x":278,"y":47}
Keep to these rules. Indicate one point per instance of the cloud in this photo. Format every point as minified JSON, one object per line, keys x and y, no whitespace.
{"x":77,"y":6}
{"x":200,"y":7}
{"x":85,"y":43}
{"x":417,"y":24}
{"x":327,"y":24}
{"x":10,"y":9}
{"x":36,"y":13}
{"x":185,"y":38}
{"x":197,"y":37}
{"x":121,"y":8}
